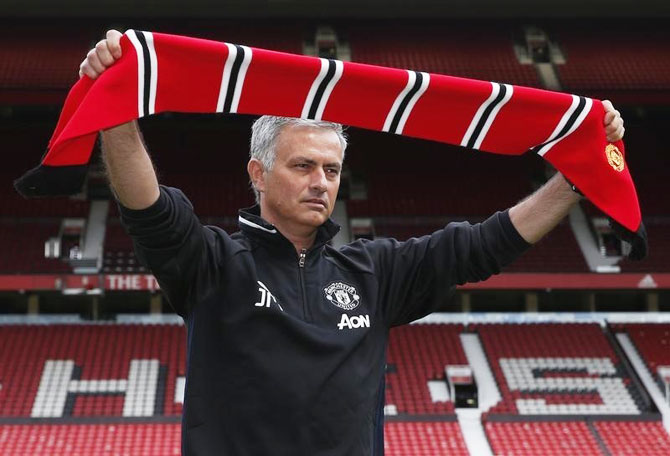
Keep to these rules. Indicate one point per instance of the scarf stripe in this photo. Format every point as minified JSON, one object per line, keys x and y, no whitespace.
{"x":322,"y":87}
{"x":139,"y":51}
{"x":153,"y":80}
{"x":417,"y":84}
{"x":486,"y":114}
{"x":147,"y":71}
{"x":570,"y":121}
{"x":232,"y":79}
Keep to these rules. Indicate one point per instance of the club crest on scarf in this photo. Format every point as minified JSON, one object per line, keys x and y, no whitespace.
{"x":342,"y":295}
{"x":614,"y":157}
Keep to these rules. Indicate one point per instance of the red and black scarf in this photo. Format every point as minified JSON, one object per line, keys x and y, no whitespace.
{"x":160,"y":72}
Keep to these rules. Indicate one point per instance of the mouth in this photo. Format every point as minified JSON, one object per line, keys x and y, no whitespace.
{"x":316,"y":202}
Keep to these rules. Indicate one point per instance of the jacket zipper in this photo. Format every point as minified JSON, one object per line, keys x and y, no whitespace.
{"x":301,"y":278}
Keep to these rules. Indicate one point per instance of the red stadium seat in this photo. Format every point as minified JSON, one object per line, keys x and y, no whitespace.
{"x":545,"y":438}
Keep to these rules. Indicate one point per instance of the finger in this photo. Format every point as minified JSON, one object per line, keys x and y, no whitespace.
{"x":614,"y":125}
{"x":94,"y":61}
{"x":616,"y":135}
{"x":618,"y":122}
{"x":609,"y":117}
{"x":114,"y":42}
{"x":104,"y":55}
{"x":608,"y":105}
{"x":86,"y":69}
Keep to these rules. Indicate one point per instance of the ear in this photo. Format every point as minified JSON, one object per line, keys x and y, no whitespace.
{"x":256,"y":174}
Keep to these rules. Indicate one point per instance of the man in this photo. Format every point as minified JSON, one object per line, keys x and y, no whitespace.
{"x":287,"y":335}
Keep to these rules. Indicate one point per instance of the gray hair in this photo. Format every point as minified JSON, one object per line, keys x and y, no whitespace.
{"x":265,"y":131}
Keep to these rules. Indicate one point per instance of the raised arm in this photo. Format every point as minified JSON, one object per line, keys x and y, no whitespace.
{"x":129,"y":168}
{"x":538,"y":214}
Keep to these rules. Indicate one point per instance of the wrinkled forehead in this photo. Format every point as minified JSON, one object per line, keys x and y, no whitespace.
{"x":321,"y":145}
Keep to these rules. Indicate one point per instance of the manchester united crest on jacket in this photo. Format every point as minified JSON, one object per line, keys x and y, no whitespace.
{"x":342,"y":295}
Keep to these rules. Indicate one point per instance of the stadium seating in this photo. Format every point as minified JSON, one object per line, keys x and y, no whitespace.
{"x":456,"y":50}
{"x":119,"y":254}
{"x":60,"y":47}
{"x":640,"y":71}
{"x":634,"y":437}
{"x":267,"y":34}
{"x":658,"y":231}
{"x":22,"y":245}
{"x":560,"y":369}
{"x":14,"y":205}
{"x":577,"y":438}
{"x":101,"y":361}
{"x":146,"y":439}
{"x":118,"y":250}
{"x":161,"y":439}
{"x":98,"y":352}
{"x":652,"y":342}
{"x":545,"y":438}
{"x":423,"y":439}
{"x":418,"y":354}
{"x":59,"y":52}
{"x":405,"y":177}
{"x":213,"y":195}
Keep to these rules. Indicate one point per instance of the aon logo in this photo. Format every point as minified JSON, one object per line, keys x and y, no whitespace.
{"x":360,"y":321}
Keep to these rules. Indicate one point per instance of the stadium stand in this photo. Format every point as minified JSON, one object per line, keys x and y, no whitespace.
{"x":658,"y":231}
{"x":158,"y":439}
{"x":23,"y":81}
{"x":404,"y":177}
{"x":423,"y":439}
{"x":640,"y":72}
{"x":546,"y":438}
{"x":416,"y":355}
{"x":22,"y":245}
{"x":13,"y":205}
{"x":72,"y":376}
{"x":118,"y":248}
{"x":652,"y":342}
{"x":457,"y":50}
{"x":88,"y":353}
{"x":59,"y":49}
{"x":634,"y":437}
{"x":146,"y":439}
{"x":571,"y":367}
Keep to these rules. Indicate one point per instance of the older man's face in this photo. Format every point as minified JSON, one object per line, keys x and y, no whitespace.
{"x":302,"y":186}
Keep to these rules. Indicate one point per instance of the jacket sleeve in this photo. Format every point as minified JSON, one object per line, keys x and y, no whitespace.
{"x":171,"y":242}
{"x":417,"y":276}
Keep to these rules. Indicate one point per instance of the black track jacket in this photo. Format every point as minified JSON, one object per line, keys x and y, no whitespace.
{"x":286,"y":352}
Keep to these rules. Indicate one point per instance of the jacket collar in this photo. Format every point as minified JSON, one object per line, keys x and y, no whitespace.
{"x":253,"y":225}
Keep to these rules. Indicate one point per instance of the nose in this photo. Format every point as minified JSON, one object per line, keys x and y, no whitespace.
{"x":319,"y":181}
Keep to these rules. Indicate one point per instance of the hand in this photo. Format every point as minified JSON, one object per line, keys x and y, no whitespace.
{"x":102,"y":56}
{"x":613,"y":122}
